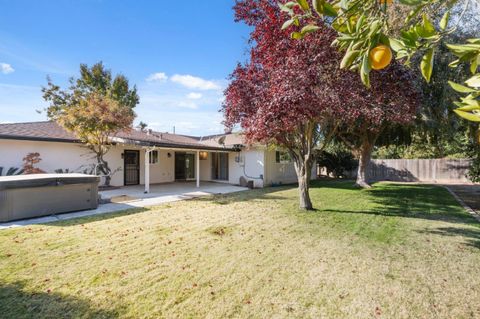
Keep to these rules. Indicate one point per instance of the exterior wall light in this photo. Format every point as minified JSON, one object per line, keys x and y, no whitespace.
{"x":203,"y":156}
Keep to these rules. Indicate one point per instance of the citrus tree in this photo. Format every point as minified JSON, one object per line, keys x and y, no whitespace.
{"x":368,"y":43}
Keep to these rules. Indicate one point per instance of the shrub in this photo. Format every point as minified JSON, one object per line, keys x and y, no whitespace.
{"x":337,"y":163}
{"x":29,"y":162}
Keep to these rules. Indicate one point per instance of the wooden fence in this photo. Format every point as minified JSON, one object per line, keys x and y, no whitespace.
{"x":420,"y":170}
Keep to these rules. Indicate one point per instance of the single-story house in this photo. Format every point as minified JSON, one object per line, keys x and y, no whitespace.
{"x":148,"y":157}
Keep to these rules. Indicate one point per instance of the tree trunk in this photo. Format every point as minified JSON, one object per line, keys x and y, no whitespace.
{"x":365,"y":155}
{"x":104,"y":169}
{"x":303,"y":168}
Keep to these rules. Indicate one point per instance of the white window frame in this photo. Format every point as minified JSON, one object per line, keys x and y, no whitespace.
{"x":282,"y":157}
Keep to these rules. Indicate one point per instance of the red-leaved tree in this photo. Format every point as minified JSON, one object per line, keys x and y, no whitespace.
{"x":391,"y":101}
{"x":288,"y":93}
{"x":292,"y":94}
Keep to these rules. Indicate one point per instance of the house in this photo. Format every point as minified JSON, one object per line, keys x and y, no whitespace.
{"x":148,"y":157}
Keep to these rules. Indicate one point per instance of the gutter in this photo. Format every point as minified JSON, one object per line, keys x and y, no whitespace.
{"x":135,"y":142}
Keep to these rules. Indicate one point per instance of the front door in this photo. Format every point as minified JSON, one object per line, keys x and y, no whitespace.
{"x":131,"y":161}
{"x":184,"y":166}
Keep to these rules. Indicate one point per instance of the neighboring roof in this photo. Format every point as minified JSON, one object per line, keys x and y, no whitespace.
{"x":229,"y":140}
{"x":52,"y":132}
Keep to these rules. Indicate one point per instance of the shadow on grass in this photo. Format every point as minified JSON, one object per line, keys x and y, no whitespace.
{"x":429,"y":202}
{"x":16,"y":302}
{"x":95,"y":218}
{"x":471,"y":235}
{"x":267,"y":193}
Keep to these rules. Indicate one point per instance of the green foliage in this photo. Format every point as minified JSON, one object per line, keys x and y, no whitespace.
{"x":95,"y":108}
{"x":363,"y":25}
{"x":338,"y":163}
{"x":474,"y":170}
{"x":469,"y":105}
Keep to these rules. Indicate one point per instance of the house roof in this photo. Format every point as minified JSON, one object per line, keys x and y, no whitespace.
{"x":229,"y":140}
{"x":52,"y":132}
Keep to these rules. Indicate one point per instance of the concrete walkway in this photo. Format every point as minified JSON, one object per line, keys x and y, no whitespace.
{"x":133,"y":197}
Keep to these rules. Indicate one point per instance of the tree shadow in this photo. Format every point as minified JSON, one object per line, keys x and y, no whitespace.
{"x":268,"y":193}
{"x":471,"y":235}
{"x":74,"y":221}
{"x":382,"y":172}
{"x":422,"y":201}
{"x":16,"y":302}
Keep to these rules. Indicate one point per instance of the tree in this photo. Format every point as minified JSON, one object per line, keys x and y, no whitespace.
{"x":392,"y":101}
{"x":29,"y":162}
{"x":364,"y":34}
{"x":142,"y":126}
{"x":282,"y":96}
{"x":95,"y":108}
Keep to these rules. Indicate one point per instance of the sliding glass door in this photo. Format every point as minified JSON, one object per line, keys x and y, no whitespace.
{"x":220,"y":166}
{"x":184,"y":166}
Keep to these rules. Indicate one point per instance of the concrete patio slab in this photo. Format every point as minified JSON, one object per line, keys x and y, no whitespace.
{"x":136,"y":198}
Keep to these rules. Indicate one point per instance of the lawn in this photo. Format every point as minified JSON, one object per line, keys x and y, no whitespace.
{"x":396,"y":251}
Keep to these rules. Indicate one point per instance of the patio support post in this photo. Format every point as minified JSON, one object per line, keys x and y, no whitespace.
{"x":198,"y":168}
{"x":147,"y":171}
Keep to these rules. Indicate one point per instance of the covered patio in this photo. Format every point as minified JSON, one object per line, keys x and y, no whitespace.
{"x":166,"y":192}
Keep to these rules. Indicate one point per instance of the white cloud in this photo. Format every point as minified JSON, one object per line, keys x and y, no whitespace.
{"x":193,"y":82}
{"x":167,"y":101}
{"x":6,"y":68}
{"x":194,"y":96}
{"x":157,"y":77}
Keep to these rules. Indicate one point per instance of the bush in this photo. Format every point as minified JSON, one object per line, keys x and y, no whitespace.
{"x":474,"y":170}
{"x":337,"y":163}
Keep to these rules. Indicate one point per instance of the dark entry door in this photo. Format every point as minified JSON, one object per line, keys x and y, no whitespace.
{"x":131,"y":161}
{"x":180,"y":171}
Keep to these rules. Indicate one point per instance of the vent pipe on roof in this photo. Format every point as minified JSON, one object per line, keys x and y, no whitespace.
{"x":174,"y":129}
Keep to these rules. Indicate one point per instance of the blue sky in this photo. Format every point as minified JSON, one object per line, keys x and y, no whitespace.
{"x":178,"y":53}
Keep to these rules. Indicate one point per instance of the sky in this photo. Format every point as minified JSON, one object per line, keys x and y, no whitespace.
{"x":178,"y":53}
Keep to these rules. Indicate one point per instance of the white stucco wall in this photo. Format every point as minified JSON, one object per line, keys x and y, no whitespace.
{"x":278,"y":173}
{"x":206,"y":168}
{"x":56,"y":155}
{"x":75,"y":157}
{"x":254,"y":162}
{"x":161,"y":172}
{"x":251,"y":167}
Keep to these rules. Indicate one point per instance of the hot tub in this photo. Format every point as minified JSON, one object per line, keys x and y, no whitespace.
{"x":27,"y":196}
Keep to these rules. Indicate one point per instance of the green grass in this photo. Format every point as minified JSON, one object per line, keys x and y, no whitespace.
{"x":395,"y":251}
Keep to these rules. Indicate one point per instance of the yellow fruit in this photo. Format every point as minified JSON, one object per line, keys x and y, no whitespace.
{"x":380,"y":57}
{"x":383,"y":1}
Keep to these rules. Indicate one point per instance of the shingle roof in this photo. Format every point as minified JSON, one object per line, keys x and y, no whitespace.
{"x":51,"y":131}
{"x":36,"y":131}
{"x":229,"y":140}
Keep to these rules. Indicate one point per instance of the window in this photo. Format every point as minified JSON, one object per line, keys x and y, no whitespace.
{"x":282,"y":157}
{"x":153,"y":157}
